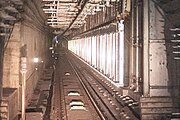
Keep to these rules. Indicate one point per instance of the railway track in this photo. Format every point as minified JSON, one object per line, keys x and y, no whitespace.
{"x":79,"y":94}
{"x":108,"y":97}
{"x":70,"y":99}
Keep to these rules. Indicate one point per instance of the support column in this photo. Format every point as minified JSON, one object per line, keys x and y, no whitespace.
{"x":158,"y":75}
{"x":156,"y":103}
{"x":120,"y":54}
{"x":138,"y":46}
{"x":132,"y":49}
{"x":146,"y":48}
{"x":23,"y":73}
{"x":1,"y":68}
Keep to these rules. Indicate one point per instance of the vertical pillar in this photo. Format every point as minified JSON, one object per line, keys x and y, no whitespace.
{"x":132,"y":49}
{"x":146,"y":48}
{"x":156,"y":102}
{"x":1,"y":68}
{"x":158,"y":75}
{"x":23,"y":71}
{"x":138,"y":46}
{"x":117,"y":57}
{"x":121,"y":53}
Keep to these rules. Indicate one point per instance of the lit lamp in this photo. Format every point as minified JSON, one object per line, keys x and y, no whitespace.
{"x":36,"y":60}
{"x":50,"y":48}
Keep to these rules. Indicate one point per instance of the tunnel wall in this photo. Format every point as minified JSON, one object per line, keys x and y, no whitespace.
{"x":11,"y":59}
{"x":29,"y":31}
{"x":36,"y":42}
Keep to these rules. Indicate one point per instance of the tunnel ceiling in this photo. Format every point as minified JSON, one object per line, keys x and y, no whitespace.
{"x":65,"y":15}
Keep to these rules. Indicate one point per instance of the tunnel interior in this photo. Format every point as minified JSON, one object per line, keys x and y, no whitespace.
{"x":132,"y":43}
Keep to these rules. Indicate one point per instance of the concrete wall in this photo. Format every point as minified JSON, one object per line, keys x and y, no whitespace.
{"x":11,"y":99}
{"x":29,"y":31}
{"x":11,"y":59}
{"x":35,"y":40}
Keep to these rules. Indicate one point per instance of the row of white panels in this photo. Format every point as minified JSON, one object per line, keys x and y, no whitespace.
{"x":105,"y":53}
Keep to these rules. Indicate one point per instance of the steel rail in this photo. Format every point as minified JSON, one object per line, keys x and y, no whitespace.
{"x":103,"y":102}
{"x":133,"y":113}
{"x":88,"y":93}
